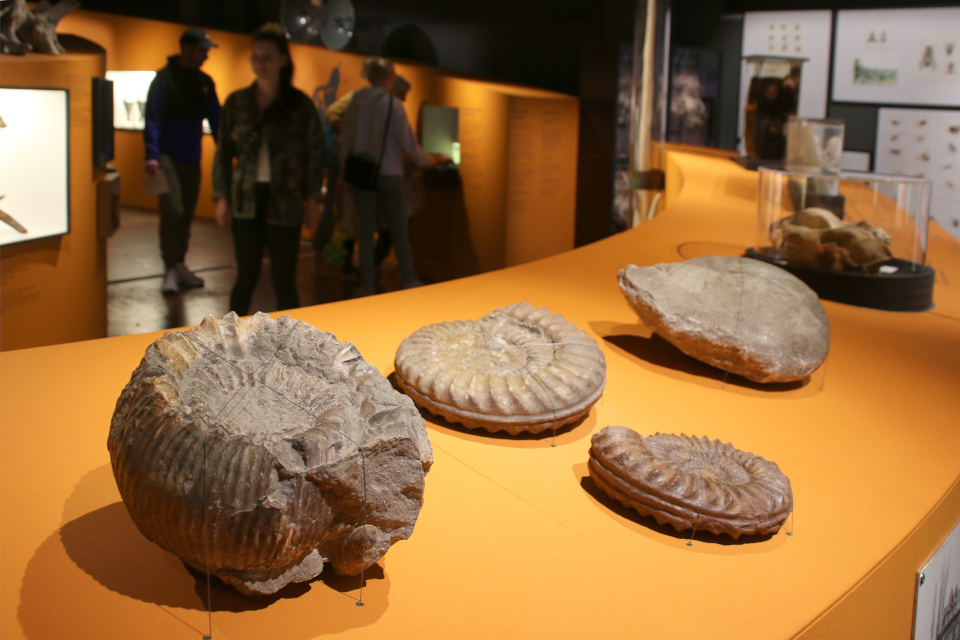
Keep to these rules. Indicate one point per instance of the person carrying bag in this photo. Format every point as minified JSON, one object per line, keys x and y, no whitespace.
{"x":360,"y":170}
{"x":379,"y":187}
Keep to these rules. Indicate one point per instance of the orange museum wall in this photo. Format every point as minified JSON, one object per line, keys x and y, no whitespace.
{"x":500,"y":233}
{"x":54,"y":290}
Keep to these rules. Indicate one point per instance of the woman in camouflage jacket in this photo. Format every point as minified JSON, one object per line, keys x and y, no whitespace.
{"x":267,"y":172}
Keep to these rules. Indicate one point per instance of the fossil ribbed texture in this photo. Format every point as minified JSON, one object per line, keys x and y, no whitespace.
{"x":738,"y":314}
{"x":517,"y":369}
{"x":260,"y":449}
{"x":690,"y":482}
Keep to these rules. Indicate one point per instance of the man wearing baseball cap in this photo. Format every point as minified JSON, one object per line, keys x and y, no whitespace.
{"x":179,"y":99}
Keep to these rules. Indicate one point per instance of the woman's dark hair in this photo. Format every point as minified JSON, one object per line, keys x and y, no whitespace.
{"x":274,"y":33}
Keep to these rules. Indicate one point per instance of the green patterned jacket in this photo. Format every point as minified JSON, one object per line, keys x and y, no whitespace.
{"x":291,"y":128}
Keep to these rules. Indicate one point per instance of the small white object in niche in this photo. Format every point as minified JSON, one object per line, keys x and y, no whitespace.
{"x":937,"y":607}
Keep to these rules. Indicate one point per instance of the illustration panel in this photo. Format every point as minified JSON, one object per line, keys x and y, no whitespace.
{"x":924,"y":143}
{"x":898,"y":56}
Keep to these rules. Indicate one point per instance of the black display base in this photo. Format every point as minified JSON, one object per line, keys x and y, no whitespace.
{"x":446,"y":176}
{"x":910,"y":288}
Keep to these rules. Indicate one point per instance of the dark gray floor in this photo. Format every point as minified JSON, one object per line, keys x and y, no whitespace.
{"x":135,"y":273}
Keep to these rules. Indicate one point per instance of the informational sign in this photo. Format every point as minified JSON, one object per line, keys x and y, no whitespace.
{"x":898,"y":56}
{"x":937,"y":612}
{"x":34,"y":164}
{"x":541,"y":178}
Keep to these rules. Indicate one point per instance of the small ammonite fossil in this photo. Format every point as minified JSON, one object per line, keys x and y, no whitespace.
{"x":260,"y":449}
{"x":517,"y":369}
{"x":691,"y":483}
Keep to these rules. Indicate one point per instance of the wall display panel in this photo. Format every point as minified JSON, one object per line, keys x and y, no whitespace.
{"x":898,"y":56}
{"x":130,"y":98}
{"x":439,"y":130}
{"x":925,"y":143}
{"x":34,"y":164}
{"x":937,"y":612}
{"x":803,"y":34}
{"x":130,"y":89}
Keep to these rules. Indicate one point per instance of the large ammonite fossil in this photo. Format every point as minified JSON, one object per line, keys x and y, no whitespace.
{"x":516,"y":369}
{"x":738,"y":314}
{"x":260,"y":449}
{"x":690,"y":482}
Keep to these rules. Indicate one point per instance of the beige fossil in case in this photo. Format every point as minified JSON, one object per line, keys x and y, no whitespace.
{"x":260,"y":449}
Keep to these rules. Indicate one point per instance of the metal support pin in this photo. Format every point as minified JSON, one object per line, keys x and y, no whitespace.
{"x":923,"y":578}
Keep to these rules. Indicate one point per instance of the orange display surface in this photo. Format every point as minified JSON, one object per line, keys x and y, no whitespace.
{"x":514,"y":539}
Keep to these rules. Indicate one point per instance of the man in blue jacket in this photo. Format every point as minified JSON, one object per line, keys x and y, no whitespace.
{"x":180,"y":97}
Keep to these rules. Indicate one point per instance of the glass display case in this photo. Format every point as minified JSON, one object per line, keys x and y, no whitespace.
{"x":872,"y":252}
{"x":34,"y":164}
{"x":817,"y":144}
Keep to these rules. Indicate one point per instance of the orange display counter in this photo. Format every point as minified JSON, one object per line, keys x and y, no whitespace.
{"x":514,"y":540}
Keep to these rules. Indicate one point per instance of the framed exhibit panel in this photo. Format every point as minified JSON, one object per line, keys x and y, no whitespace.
{"x":937,"y":610}
{"x":898,"y":56}
{"x":34,"y":164}
{"x":439,"y":130}
{"x":796,"y":34}
{"x":130,"y":97}
{"x":924,"y":143}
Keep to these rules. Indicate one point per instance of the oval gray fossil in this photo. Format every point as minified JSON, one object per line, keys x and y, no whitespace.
{"x":738,"y":314}
{"x":260,"y":449}
{"x":517,"y":369}
{"x":691,"y":483}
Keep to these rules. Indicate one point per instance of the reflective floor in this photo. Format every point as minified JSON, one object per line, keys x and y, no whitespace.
{"x":135,"y":273}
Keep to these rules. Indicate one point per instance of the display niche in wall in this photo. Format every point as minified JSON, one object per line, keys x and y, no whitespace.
{"x":130,"y":90}
{"x":34,"y":164}
{"x":130,"y":98}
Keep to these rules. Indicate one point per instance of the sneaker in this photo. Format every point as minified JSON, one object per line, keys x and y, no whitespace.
{"x":170,"y":286}
{"x":186,"y":277}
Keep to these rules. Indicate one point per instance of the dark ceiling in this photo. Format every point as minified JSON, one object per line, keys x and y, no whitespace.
{"x":532,"y":42}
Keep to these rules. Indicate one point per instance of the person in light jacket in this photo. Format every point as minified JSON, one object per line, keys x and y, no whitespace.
{"x":364,"y":126}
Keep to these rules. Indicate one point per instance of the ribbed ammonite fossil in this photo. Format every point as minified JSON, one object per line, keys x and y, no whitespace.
{"x":738,"y":314}
{"x":690,"y":482}
{"x":515,"y":369}
{"x":260,"y":449}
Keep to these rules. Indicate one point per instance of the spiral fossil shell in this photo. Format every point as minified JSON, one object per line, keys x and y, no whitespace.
{"x":690,"y":482}
{"x":517,"y":369}
{"x":738,"y":314}
{"x":259,"y":449}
